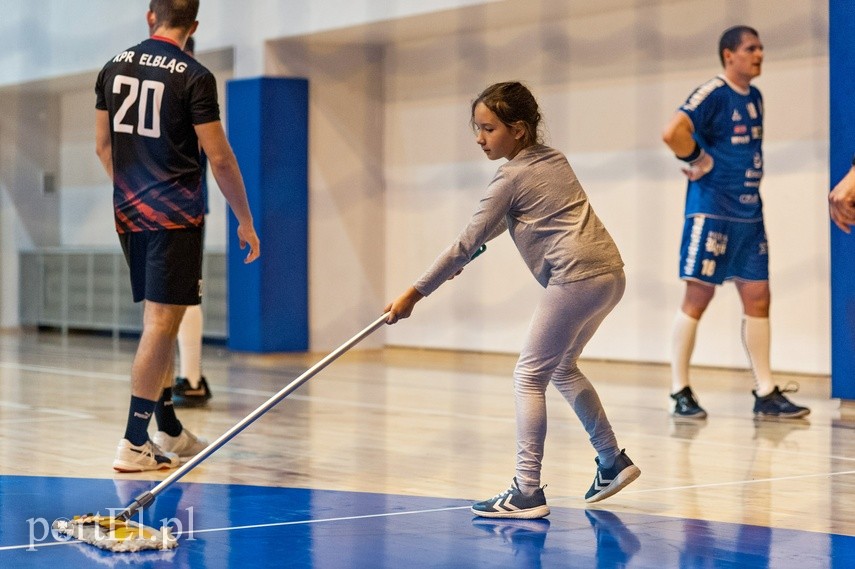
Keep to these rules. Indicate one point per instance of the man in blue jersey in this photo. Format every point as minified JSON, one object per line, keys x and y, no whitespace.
{"x":718,"y":133}
{"x":155,"y":107}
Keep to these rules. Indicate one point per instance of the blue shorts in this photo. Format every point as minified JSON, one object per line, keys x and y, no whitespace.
{"x":715,"y":250}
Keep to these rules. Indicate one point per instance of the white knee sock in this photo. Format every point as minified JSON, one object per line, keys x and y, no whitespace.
{"x":756,"y":339}
{"x":682,"y":346}
{"x":190,"y":345}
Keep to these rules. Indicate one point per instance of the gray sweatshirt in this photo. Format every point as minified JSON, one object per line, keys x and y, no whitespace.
{"x":537,"y":197}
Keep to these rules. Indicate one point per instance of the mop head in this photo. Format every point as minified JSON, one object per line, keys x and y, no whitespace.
{"x":114,"y":534}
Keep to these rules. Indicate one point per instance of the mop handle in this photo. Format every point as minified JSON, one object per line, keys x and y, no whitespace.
{"x":146,"y":498}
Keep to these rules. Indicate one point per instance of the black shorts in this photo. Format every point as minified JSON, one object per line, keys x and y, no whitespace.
{"x":166,"y":266}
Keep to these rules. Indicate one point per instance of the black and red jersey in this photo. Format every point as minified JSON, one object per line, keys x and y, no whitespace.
{"x":155,"y":94}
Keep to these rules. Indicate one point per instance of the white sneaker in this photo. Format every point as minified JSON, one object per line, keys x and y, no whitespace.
{"x":186,"y":445}
{"x":148,"y":456}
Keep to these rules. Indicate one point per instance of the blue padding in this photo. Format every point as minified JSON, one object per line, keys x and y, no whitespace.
{"x":842,"y":129}
{"x":268,"y":301}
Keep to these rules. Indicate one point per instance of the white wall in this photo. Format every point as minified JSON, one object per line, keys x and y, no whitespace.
{"x":394,"y":171}
{"x":54,"y":38}
{"x":346,"y":184}
{"x":607,"y":84}
{"x":28,"y":216}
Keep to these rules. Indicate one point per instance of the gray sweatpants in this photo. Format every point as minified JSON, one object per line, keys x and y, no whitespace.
{"x":563,"y":323}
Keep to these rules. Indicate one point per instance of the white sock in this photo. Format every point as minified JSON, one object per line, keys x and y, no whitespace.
{"x":682,"y":346}
{"x":756,"y":336}
{"x":190,"y":345}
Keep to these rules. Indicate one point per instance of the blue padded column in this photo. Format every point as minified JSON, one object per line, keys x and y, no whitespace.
{"x":268,"y":301}
{"x":841,"y":36}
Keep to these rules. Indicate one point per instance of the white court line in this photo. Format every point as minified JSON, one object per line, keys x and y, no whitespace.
{"x":56,"y":414}
{"x":43,"y":420}
{"x":721,"y":484}
{"x":432,"y":510}
{"x":341,"y":519}
{"x":28,"y":546}
{"x":403,"y":410}
{"x":257,"y":526}
{"x":250,"y":392}
{"x":65,"y":371}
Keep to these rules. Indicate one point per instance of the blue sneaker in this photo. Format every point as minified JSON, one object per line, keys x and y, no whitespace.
{"x":512,"y":503}
{"x":777,"y":406}
{"x":686,"y":405}
{"x":612,"y":480}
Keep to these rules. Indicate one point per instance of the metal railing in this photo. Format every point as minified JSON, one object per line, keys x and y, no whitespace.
{"x":89,"y":289}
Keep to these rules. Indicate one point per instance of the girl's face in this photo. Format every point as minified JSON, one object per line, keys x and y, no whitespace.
{"x":497,"y":139}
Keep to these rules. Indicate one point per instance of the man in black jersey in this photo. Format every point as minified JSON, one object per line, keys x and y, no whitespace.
{"x":155,"y":107}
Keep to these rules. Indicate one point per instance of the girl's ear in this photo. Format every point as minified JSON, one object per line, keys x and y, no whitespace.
{"x":519,"y":130}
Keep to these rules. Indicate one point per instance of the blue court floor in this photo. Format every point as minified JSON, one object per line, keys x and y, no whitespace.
{"x":250,"y":526}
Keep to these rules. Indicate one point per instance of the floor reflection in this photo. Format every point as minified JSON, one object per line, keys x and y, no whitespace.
{"x":320,"y":529}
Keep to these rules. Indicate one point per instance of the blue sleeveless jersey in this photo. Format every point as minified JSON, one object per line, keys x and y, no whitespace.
{"x":729,"y":126}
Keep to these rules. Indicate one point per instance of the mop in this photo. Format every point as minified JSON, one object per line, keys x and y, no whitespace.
{"x":120,"y":534}
{"x":114,"y":534}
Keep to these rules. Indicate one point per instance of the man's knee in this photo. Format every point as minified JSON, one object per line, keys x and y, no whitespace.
{"x":756,"y":298}
{"x":162,"y":318}
{"x":697,"y":298}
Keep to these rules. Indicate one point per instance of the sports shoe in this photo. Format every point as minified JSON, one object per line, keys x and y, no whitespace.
{"x":686,"y":405}
{"x":612,"y":480}
{"x":185,"y":395}
{"x":148,"y":456}
{"x":512,"y":503}
{"x":777,"y":406}
{"x":186,"y":445}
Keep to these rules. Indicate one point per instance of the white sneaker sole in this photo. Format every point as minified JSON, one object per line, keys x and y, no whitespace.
{"x":529,"y":514}
{"x":184,"y":454}
{"x":782,"y":416}
{"x":129,"y":467}
{"x":624,"y":478}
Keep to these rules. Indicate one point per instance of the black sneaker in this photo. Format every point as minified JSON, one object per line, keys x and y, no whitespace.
{"x":686,"y":405}
{"x":777,"y":406}
{"x":612,"y":480}
{"x":183,"y":395}
{"x":512,"y":503}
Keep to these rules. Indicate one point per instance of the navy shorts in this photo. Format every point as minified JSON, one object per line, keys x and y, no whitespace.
{"x":715,"y":250}
{"x":166,"y":266}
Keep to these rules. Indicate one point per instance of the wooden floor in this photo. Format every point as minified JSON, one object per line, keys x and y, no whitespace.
{"x":439,"y":424}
